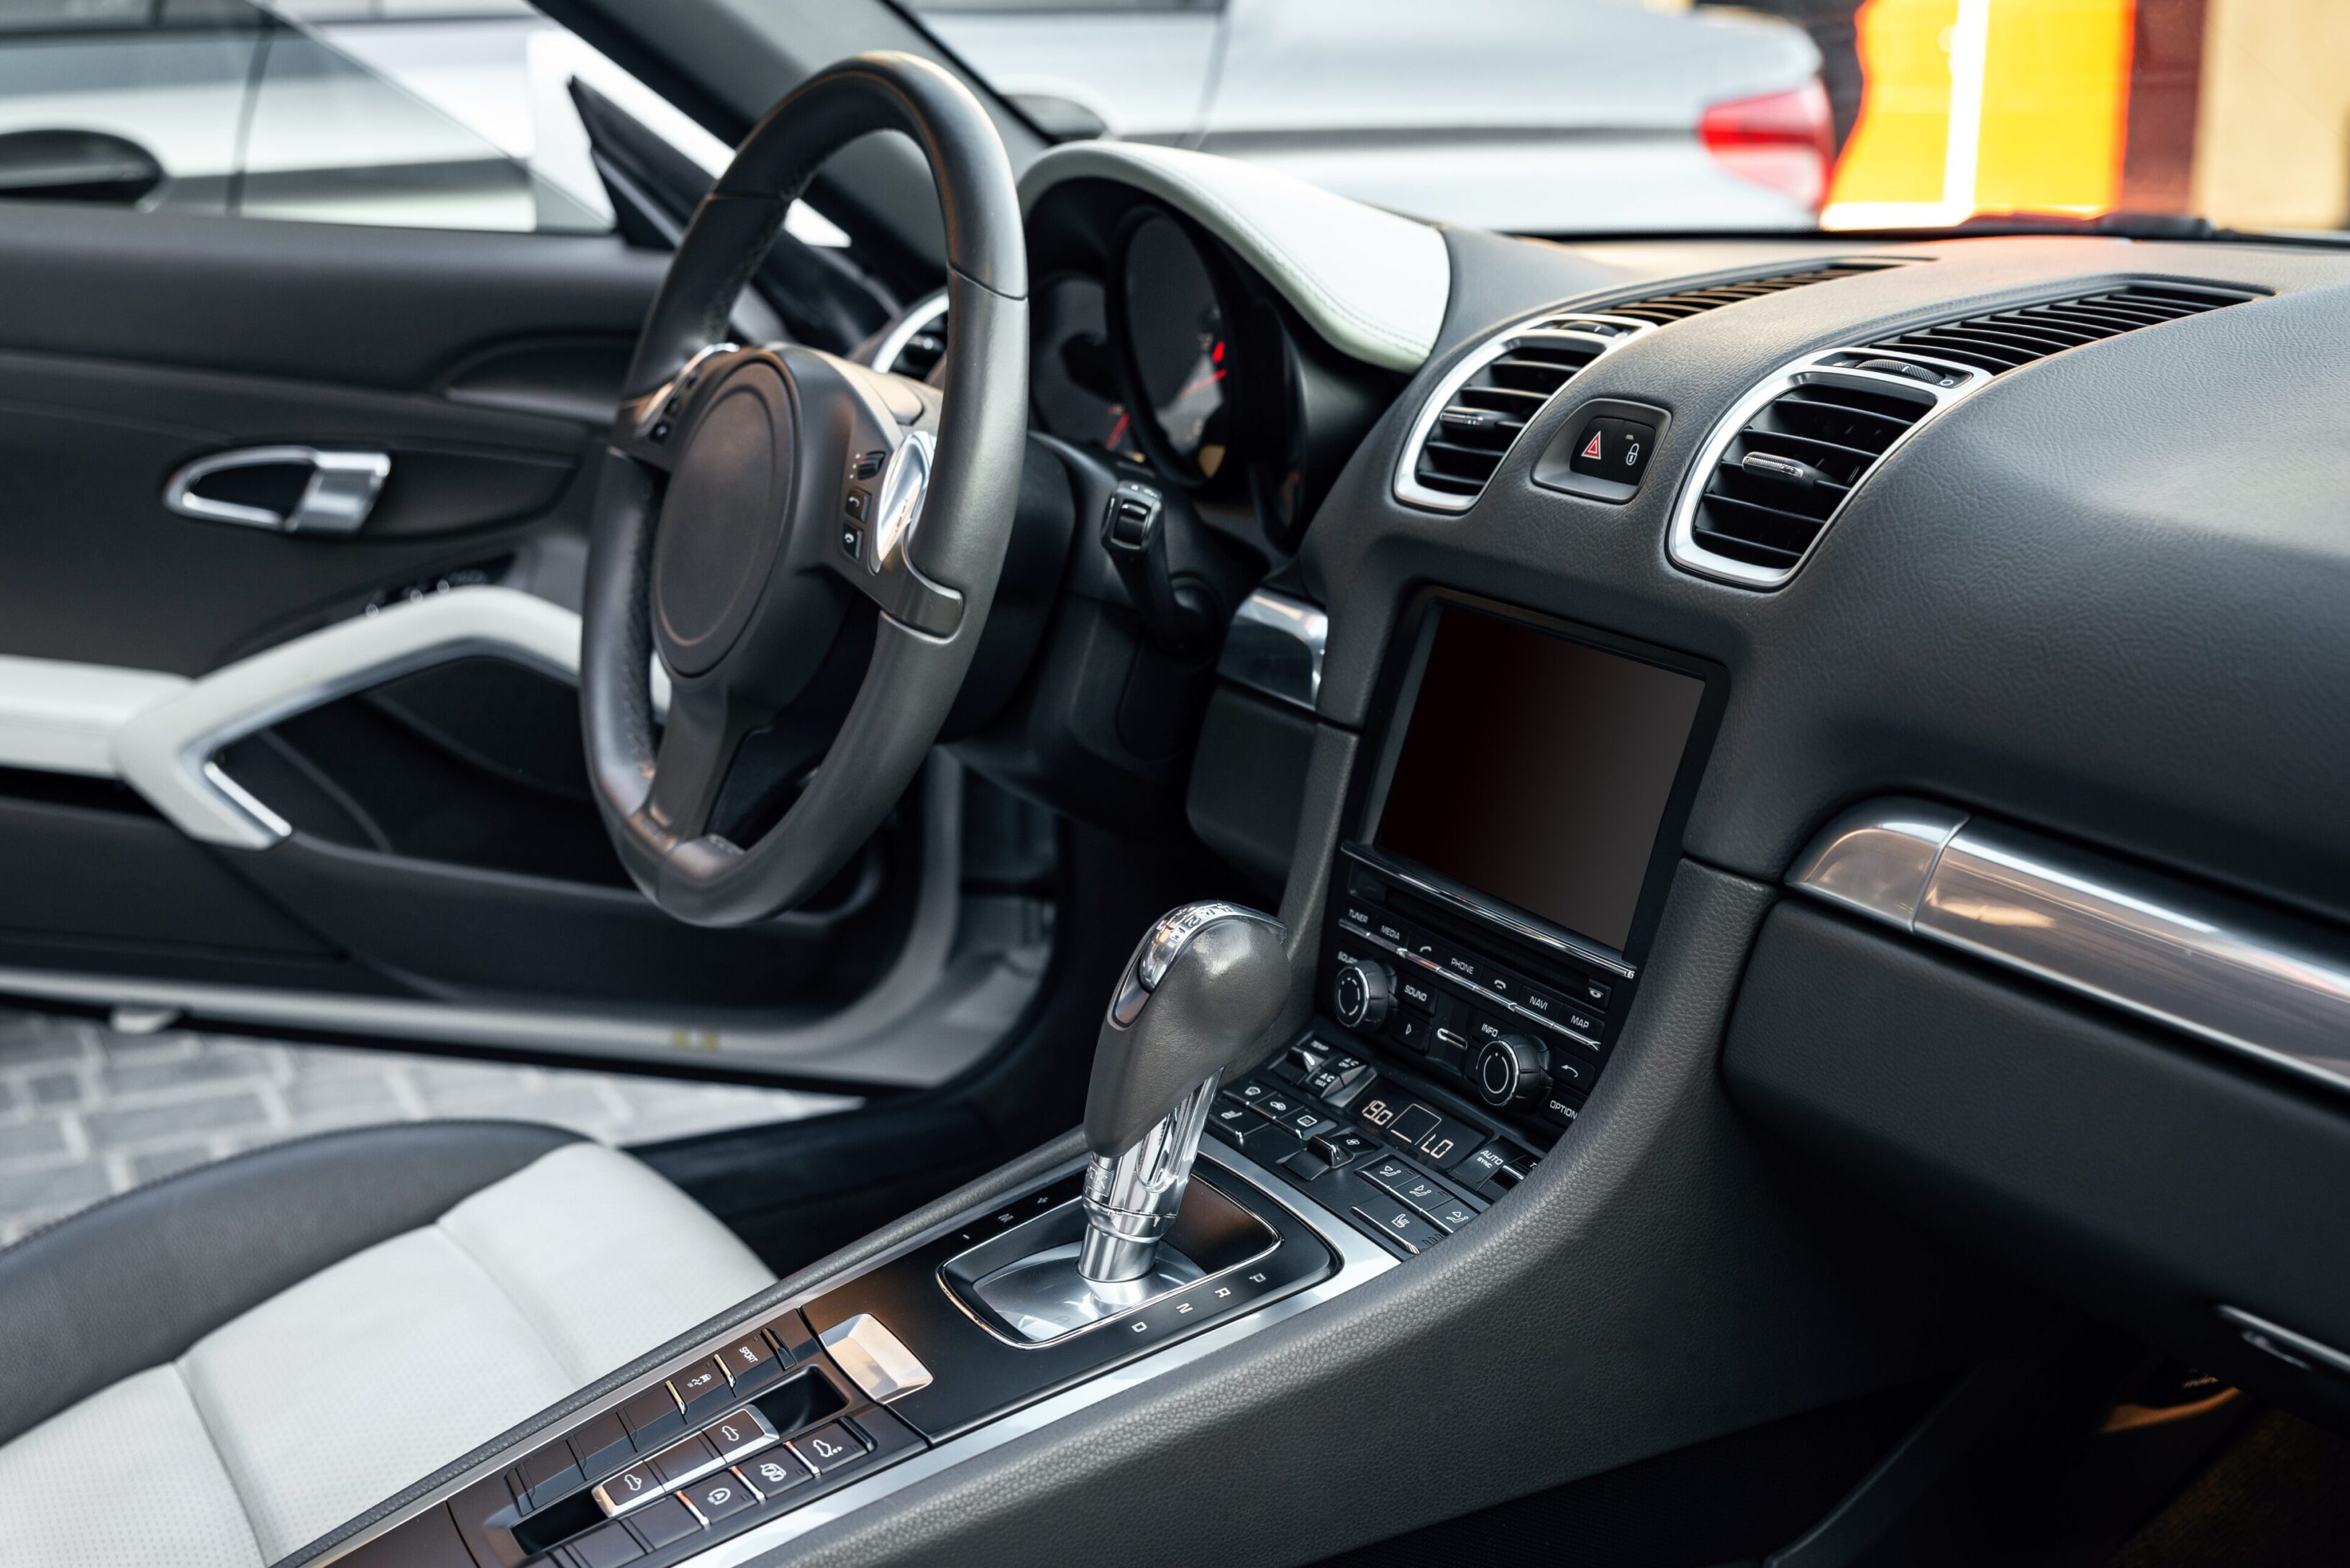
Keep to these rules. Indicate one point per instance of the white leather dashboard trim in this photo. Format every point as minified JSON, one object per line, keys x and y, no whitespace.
{"x":1374,"y":284}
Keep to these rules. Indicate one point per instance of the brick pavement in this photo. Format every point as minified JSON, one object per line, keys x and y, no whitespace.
{"x":85,"y":1111}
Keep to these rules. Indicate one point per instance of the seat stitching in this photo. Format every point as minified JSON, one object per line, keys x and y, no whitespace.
{"x":552,"y":1342}
{"x":219,"y":1455}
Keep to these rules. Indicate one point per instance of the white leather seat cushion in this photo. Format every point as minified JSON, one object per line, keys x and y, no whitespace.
{"x":332,"y":1396}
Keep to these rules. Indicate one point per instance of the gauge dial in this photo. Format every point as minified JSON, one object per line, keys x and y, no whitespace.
{"x":1183,"y":357}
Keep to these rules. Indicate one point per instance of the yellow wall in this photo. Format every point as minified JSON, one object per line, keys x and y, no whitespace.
{"x":2043,"y":133}
{"x":2272,"y":134}
{"x":2055,"y":105}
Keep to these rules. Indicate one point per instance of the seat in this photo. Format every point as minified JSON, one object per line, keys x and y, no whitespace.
{"x":212,"y":1371}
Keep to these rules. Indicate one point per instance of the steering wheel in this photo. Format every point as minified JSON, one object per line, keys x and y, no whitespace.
{"x":750,"y":496}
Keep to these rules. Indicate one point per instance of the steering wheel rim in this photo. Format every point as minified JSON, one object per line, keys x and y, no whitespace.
{"x":724,"y":537}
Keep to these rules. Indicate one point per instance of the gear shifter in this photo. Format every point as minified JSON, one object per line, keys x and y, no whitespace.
{"x":1203,"y":986}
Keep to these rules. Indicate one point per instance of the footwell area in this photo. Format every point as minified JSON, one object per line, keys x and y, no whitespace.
{"x":86,"y":1112}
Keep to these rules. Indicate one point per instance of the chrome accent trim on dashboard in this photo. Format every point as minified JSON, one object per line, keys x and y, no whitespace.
{"x":1359,"y":1262}
{"x":924,"y":312}
{"x":1276,"y":647}
{"x":1876,"y":858}
{"x":2192,"y":959}
{"x":1470,"y":901}
{"x":2293,"y":1349}
{"x":1681,"y":542}
{"x":1542,"y":327}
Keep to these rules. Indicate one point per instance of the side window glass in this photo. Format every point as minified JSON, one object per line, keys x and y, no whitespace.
{"x":430,"y":113}
{"x":360,"y":117}
{"x":124,"y":102}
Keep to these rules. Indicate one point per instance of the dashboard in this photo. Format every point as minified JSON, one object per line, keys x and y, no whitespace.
{"x":1661,"y":566}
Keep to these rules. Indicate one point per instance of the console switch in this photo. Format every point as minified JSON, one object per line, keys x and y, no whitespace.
{"x":717,"y":1497}
{"x":829,"y":1446}
{"x":1393,"y":1219}
{"x":749,"y":1363}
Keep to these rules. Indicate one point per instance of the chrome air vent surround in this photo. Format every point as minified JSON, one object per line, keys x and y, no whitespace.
{"x":1512,"y":376}
{"x":1831,"y":368}
{"x":1555,"y":338}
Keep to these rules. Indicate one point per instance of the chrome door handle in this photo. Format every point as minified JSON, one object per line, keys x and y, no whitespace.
{"x":335,"y":498}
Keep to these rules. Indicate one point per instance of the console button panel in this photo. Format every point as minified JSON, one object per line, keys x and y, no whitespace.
{"x":1465,"y":983}
{"x":1400,"y":1159}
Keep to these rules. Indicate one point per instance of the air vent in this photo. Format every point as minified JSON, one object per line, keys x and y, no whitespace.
{"x":1476,"y":413}
{"x":2008,"y":339}
{"x":1782,"y":464}
{"x":1484,"y":414}
{"x":1670,"y":308}
{"x":1788,"y":468}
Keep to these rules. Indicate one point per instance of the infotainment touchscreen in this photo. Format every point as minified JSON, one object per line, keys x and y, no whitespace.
{"x":1537,"y":770}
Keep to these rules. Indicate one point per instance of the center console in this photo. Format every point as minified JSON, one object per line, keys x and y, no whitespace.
{"x":1483,"y":939}
{"x":1485,"y":929}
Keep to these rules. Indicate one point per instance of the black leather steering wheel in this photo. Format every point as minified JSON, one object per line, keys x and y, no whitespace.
{"x":750,"y":495}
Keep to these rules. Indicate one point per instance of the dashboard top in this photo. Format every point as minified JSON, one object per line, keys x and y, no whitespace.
{"x":2101,"y":593}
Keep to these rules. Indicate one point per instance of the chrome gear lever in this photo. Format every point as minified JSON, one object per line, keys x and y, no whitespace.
{"x":1197,"y":996}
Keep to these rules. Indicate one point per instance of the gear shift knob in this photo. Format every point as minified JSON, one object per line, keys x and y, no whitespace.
{"x":1198,"y":995}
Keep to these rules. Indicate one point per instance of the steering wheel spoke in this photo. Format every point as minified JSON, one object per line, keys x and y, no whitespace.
{"x":650,"y":428}
{"x":893,"y":583}
{"x":696,"y":747}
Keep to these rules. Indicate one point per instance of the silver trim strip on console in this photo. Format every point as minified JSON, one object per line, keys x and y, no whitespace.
{"x":1681,"y":542}
{"x":2293,"y":1349}
{"x":1276,"y":647}
{"x":1360,"y":1261}
{"x":2196,"y":960}
{"x":1543,"y":328}
{"x":875,"y":1359}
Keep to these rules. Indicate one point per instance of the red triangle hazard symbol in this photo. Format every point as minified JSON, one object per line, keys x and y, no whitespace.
{"x":1592,"y":449}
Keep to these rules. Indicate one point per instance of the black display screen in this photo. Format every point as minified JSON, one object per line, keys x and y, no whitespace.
{"x":1537,"y":770}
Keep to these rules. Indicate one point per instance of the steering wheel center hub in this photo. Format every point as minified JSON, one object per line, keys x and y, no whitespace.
{"x":724,"y":516}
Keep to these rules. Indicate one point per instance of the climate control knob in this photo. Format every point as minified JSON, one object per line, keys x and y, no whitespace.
{"x":1512,"y":1070}
{"x":1363,"y":993}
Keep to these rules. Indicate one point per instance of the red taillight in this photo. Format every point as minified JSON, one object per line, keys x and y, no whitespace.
{"x":1783,"y":139}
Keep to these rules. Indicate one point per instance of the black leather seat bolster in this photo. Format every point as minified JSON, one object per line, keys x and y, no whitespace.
{"x":133,"y":1282}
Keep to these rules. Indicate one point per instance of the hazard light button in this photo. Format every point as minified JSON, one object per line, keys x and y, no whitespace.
{"x":1614,"y":449}
{"x":1591,"y":448}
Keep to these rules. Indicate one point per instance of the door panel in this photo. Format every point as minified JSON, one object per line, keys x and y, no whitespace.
{"x":388,"y":831}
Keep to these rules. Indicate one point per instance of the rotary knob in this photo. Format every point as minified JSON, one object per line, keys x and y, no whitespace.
{"x":1512,"y":1070}
{"x":1362,"y":993}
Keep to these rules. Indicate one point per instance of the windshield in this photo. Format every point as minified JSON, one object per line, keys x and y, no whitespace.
{"x":1567,"y":117}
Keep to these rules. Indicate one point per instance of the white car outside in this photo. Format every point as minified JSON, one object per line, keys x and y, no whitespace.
{"x":1528,"y":116}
